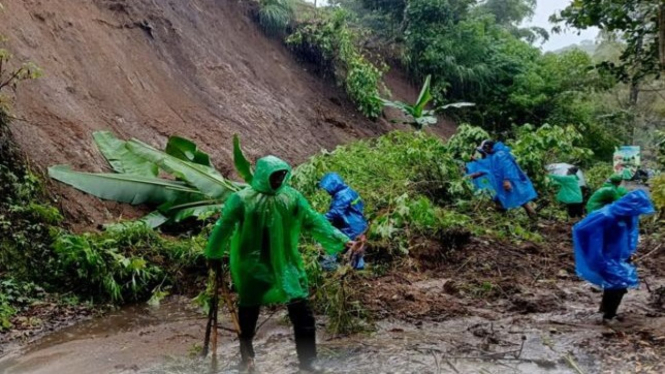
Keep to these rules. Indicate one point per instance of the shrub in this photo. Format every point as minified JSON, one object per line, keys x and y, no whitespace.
{"x":332,"y":43}
{"x":275,"y":15}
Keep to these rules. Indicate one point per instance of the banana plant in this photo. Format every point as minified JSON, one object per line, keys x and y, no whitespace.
{"x":419,"y":115}
{"x":197,"y":188}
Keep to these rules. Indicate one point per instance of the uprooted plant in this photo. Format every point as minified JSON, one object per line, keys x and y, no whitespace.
{"x":198,"y":189}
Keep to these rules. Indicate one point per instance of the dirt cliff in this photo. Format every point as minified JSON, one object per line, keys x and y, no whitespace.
{"x":152,"y":68}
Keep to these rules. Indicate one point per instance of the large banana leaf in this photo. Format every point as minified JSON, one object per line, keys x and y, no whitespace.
{"x":120,"y":158}
{"x":243,"y":167}
{"x":187,"y":150}
{"x":205,"y":179}
{"x":423,"y":99}
{"x":125,"y":188}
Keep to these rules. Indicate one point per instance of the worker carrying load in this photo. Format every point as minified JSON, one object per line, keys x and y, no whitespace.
{"x":605,"y":242}
{"x":263,"y":224}
{"x":346,"y":213}
{"x":510,"y":184}
{"x":570,"y":192}
{"x":610,"y":192}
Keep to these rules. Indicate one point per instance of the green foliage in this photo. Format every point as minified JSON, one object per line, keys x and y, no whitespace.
{"x":658,"y":193}
{"x":536,"y":148}
{"x":420,"y":117}
{"x":636,"y":21}
{"x":660,"y":156}
{"x":16,"y":296}
{"x":243,"y":166}
{"x":463,"y":144}
{"x":11,"y":76}
{"x":276,"y":15}
{"x":598,"y":174}
{"x":334,"y":44}
{"x":199,"y":189}
{"x":125,"y":263}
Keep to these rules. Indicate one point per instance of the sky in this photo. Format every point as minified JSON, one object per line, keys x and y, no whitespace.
{"x":543,"y":12}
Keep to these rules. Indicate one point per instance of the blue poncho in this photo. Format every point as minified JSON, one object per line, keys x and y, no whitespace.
{"x":605,"y":240}
{"x":346,"y":211}
{"x":500,"y":166}
{"x":484,"y":183}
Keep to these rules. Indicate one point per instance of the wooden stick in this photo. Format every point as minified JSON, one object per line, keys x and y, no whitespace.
{"x":648,"y":254}
{"x":215,"y":315}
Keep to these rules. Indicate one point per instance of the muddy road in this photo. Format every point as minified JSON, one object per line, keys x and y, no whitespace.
{"x":489,"y":339}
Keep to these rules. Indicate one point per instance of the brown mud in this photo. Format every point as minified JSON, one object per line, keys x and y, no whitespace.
{"x":149,"y":69}
{"x":451,"y":313}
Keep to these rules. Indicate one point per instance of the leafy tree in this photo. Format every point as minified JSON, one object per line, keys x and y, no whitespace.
{"x":640,"y":23}
{"x":511,"y":13}
{"x":10,"y":75}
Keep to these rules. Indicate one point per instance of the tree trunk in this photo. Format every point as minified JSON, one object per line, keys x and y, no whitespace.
{"x":661,"y":34}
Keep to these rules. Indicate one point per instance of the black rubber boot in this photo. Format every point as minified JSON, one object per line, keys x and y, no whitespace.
{"x":247,"y":318}
{"x":304,"y":329}
{"x":610,"y":303}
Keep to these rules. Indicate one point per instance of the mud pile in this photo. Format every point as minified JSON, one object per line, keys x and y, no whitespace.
{"x":148,"y":69}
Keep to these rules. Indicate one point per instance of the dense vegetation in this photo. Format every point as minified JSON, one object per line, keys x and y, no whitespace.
{"x":476,"y":51}
{"x":568,"y":107}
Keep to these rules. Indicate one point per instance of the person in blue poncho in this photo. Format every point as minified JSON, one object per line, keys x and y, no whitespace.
{"x":605,"y":242}
{"x":510,"y":185}
{"x":346,"y":213}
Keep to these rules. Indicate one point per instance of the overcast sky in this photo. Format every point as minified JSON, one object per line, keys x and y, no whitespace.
{"x":545,"y":9}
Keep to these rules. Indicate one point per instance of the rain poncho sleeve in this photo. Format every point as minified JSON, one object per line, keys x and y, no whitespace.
{"x":485,"y":182}
{"x":606,"y":239}
{"x":264,"y":225}
{"x":330,"y":238}
{"x":504,"y":168}
{"x":224,"y":228}
{"x":569,"y":188}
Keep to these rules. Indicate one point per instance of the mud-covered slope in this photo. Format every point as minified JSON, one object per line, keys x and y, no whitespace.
{"x":151,"y":68}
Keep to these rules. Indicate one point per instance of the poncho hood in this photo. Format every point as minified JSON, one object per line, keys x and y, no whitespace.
{"x":265,"y":167}
{"x":332,"y":183}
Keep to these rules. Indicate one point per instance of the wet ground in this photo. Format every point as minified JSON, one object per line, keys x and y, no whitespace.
{"x":165,"y":340}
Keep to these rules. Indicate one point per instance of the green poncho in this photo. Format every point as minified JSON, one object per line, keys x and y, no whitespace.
{"x":605,"y":195}
{"x":264,"y":226}
{"x":570,"y":191}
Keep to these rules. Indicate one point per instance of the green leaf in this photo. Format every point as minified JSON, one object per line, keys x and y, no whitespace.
{"x":397,"y":105}
{"x":424,"y":98}
{"x":120,"y":158}
{"x":243,"y":166}
{"x":187,"y":150}
{"x":207,"y":180}
{"x":195,"y":210}
{"x":154,"y":219}
{"x":131,"y":189}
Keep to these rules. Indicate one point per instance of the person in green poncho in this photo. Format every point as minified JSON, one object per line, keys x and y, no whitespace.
{"x":570,"y":192}
{"x":263,"y":224}
{"x":610,"y":192}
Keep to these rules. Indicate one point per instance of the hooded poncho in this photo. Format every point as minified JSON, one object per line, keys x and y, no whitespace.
{"x":264,"y":226}
{"x":605,"y":240}
{"x":346,"y":208}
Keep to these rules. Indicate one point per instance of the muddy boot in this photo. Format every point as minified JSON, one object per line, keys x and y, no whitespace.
{"x":247,"y":316}
{"x":610,"y":303}
{"x":304,"y":329}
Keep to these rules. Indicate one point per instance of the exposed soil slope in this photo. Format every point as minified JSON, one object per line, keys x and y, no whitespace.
{"x":152,"y":68}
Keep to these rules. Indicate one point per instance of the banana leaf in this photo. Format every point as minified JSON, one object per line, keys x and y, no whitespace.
{"x":423,"y":99}
{"x":187,"y":150}
{"x":125,"y":188}
{"x":154,"y":219}
{"x":206,"y":179}
{"x":120,"y":158}
{"x":243,"y":166}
